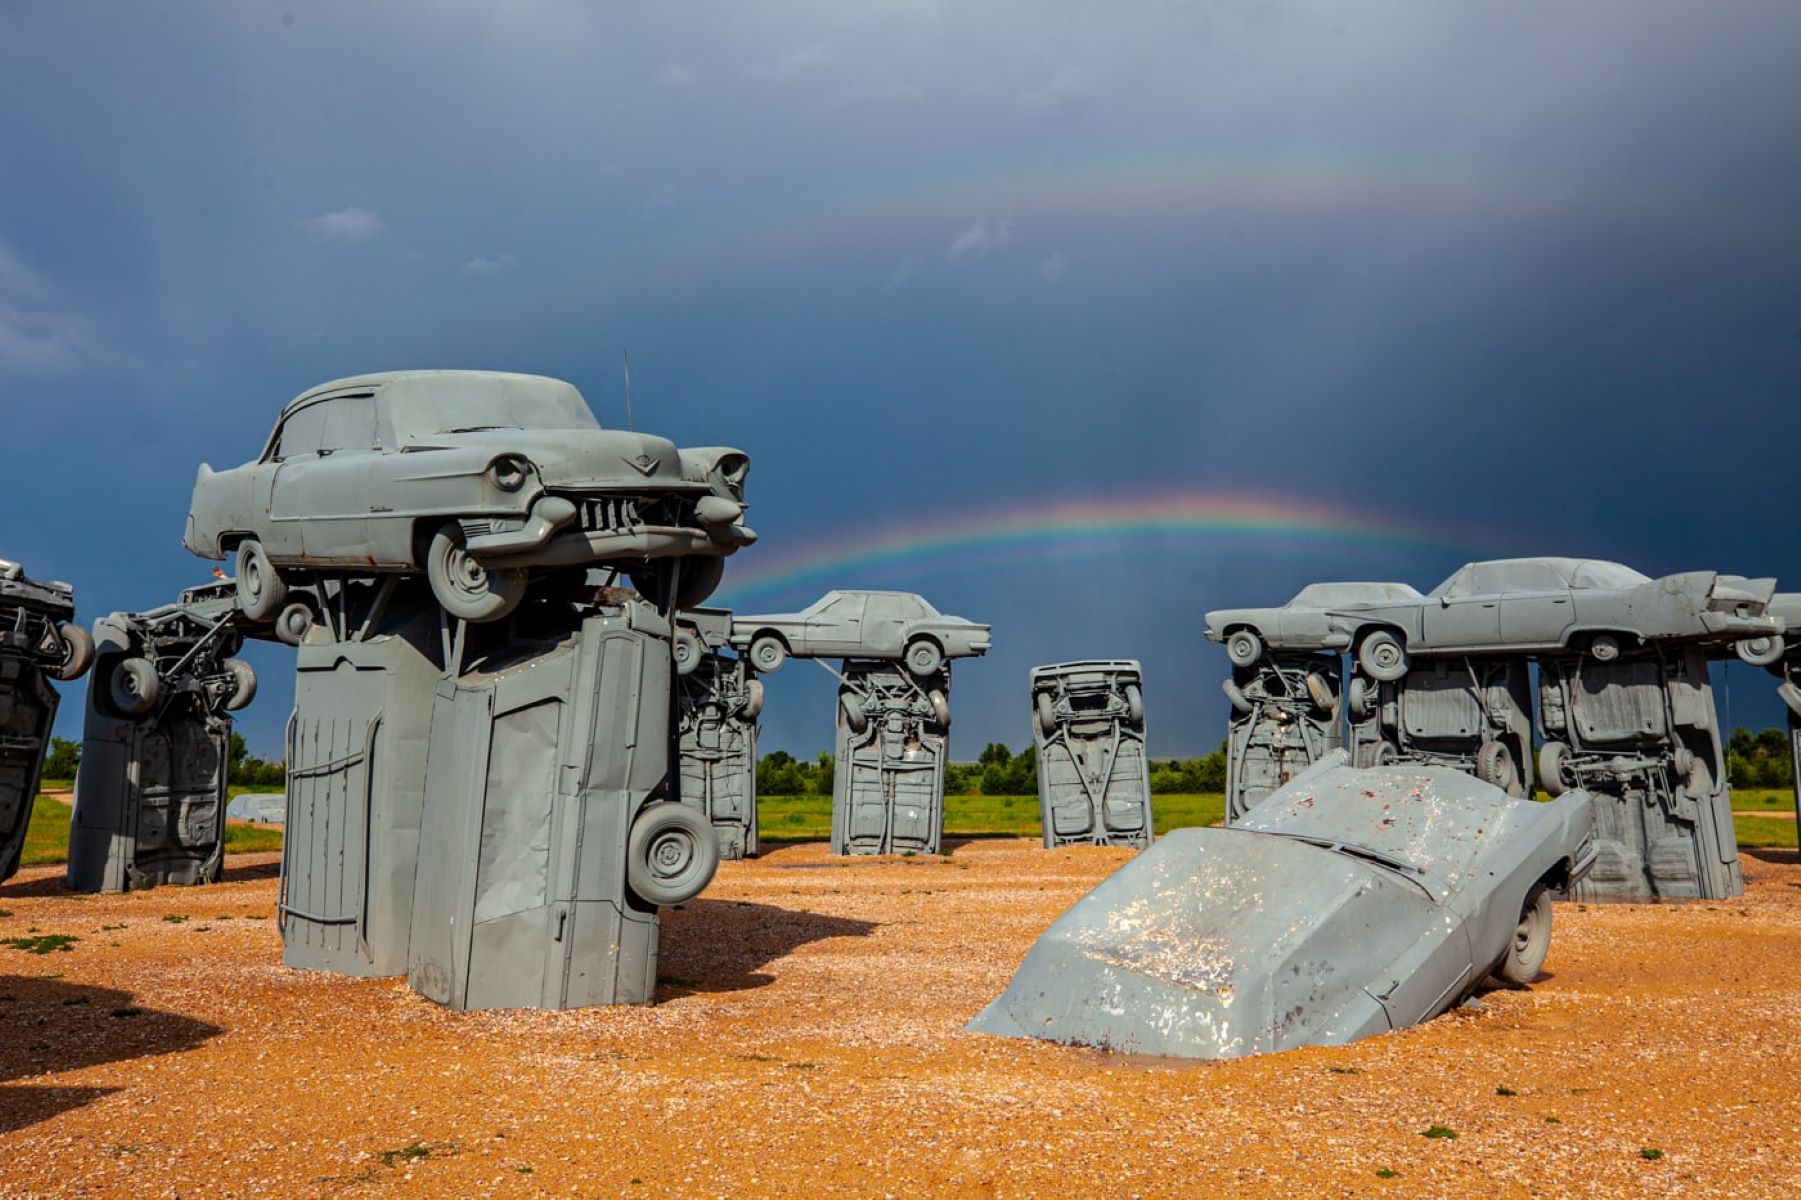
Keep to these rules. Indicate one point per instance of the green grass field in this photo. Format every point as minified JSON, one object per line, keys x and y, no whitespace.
{"x":47,"y":838}
{"x":809,"y":819}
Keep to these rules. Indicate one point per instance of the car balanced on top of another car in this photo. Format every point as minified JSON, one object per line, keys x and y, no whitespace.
{"x":476,"y":478}
{"x":36,"y":620}
{"x":1519,"y":605}
{"x":874,"y":625}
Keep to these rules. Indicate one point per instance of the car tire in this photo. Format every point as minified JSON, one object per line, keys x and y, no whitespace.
{"x":924,"y":657}
{"x":294,"y":623}
{"x":856,"y":719}
{"x":1604,"y":647}
{"x":671,"y":853}
{"x":1495,"y":766}
{"x":1241,"y":703}
{"x":466,"y":589}
{"x":1386,"y":754}
{"x":1358,"y":698}
{"x":1551,"y":757}
{"x":243,"y":680}
{"x":1531,"y":942}
{"x":78,"y":652}
{"x":134,"y":686}
{"x":261,"y":589}
{"x":1244,"y":648}
{"x":1134,"y":704}
{"x":1383,"y":657}
{"x":1320,"y":692}
{"x":767,"y":653}
{"x":753,"y":700}
{"x":1046,"y":710}
{"x":941,"y":709}
{"x":1762,"y":651}
{"x":688,"y":653}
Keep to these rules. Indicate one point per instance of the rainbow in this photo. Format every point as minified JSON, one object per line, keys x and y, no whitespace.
{"x":1181,"y":523}
{"x":920,"y":212}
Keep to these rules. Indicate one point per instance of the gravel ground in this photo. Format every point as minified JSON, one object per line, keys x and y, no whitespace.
{"x":808,"y":1041}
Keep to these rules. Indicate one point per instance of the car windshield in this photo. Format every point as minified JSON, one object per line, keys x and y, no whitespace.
{"x":425,"y":407}
{"x":1607,"y":575}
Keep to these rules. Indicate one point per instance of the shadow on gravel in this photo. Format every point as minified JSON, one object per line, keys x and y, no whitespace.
{"x":250,"y":871}
{"x":1769,"y":854}
{"x":49,"y":885}
{"x":49,"y":1026}
{"x":719,"y":945}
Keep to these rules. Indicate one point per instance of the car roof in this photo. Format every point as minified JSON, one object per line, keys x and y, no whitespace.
{"x":1324,"y":595}
{"x":443,"y":377}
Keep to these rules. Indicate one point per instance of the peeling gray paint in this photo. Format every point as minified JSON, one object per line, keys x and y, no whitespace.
{"x":1348,"y":903}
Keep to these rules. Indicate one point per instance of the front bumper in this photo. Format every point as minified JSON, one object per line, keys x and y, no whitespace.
{"x":560,"y":532}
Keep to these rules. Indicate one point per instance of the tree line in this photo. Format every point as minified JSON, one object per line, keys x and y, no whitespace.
{"x":1753,"y":760}
{"x":244,"y":769}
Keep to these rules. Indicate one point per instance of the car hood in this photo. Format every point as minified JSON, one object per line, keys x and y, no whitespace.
{"x":1216,"y":943}
{"x":579,"y":457}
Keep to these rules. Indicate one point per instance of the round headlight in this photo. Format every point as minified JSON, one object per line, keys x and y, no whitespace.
{"x":510,"y":473}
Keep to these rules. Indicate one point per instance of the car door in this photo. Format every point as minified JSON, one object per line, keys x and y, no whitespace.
{"x":1468,"y":615}
{"x":1536,"y":609}
{"x":280,"y":482}
{"x":885,"y":625}
{"x":837,"y":628}
{"x":327,"y":494}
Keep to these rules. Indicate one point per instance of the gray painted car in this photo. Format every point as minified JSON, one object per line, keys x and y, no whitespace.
{"x":476,"y":478}
{"x":1349,"y":903}
{"x":873,"y":625}
{"x":36,"y":623}
{"x":1518,"y":605}
{"x":38,"y":643}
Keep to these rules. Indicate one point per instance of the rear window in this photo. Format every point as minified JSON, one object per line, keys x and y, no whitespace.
{"x":1606,"y":575}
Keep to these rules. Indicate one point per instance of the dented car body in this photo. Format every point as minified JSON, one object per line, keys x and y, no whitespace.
{"x":493,"y":474}
{"x":1349,"y":903}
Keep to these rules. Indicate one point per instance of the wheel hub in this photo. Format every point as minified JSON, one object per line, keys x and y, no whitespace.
{"x":670,"y":854}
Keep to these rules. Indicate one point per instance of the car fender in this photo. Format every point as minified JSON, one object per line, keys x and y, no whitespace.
{"x":223,"y":503}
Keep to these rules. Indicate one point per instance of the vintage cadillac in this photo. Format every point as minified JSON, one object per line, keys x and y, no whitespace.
{"x":1515,"y":605}
{"x":476,"y":478}
{"x":1349,"y":903}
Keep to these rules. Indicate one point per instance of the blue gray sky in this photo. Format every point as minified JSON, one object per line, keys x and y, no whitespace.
{"x":1497,"y":278}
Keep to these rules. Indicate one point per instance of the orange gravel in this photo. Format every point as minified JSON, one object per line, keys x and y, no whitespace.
{"x":808,"y":1041}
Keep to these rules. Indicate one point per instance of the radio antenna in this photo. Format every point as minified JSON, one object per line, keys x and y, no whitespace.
{"x":629,"y":423}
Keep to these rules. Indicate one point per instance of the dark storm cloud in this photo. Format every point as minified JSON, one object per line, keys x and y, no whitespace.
{"x":1530,"y":270}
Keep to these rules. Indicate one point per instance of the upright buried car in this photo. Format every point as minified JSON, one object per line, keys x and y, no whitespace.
{"x":37,"y":642}
{"x":476,"y":478}
{"x":1349,"y":903}
{"x":1519,"y":605}
{"x":876,"y":625}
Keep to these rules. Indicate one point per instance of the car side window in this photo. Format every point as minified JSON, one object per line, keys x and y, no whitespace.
{"x":1536,"y":577}
{"x":349,"y":425}
{"x":1458,"y":585}
{"x":300,"y":433}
